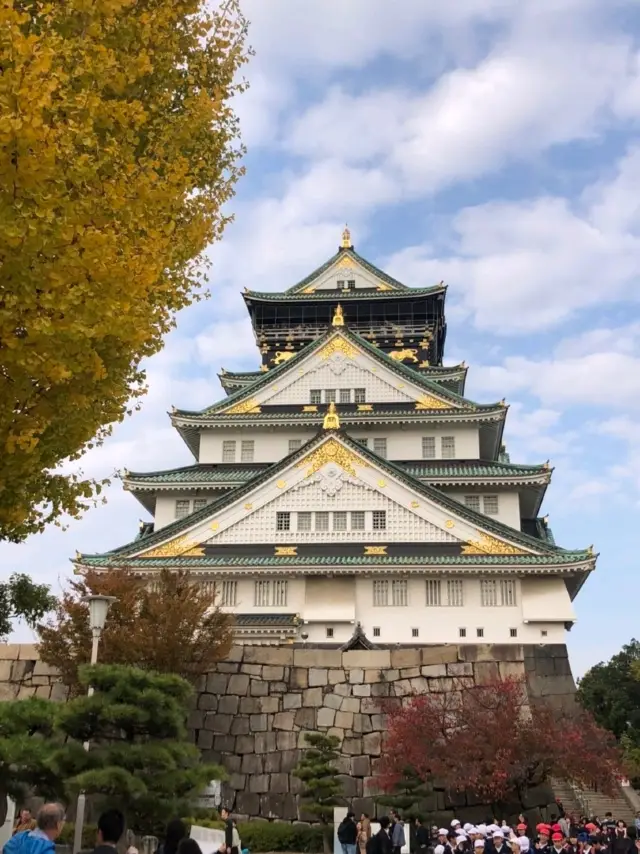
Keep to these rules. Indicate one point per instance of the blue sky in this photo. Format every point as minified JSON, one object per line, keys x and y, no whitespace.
{"x":490,"y":143}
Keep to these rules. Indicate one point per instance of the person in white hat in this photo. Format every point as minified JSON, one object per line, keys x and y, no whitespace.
{"x":478,"y":845}
{"x":499,"y":845}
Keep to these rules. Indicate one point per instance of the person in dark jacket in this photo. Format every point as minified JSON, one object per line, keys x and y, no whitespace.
{"x":176,"y":831}
{"x":50,"y":822}
{"x":110,"y":830}
{"x":422,"y":837}
{"x":348,"y":833}
{"x":380,"y":843}
{"x":228,"y":831}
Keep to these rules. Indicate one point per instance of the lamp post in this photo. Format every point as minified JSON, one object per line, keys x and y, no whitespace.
{"x":98,"y":609}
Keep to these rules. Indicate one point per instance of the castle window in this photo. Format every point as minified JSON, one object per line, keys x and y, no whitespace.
{"x":315,"y":396}
{"x":363,"y":442}
{"x":262,"y":596}
{"x":415,"y":633}
{"x":490,"y":504}
{"x":322,"y":521}
{"x":360,"y":395}
{"x":294,"y":445}
{"x":183,"y":508}
{"x":357,"y":520}
{"x":434,"y":594}
{"x":330,"y":395}
{"x":345,"y":395}
{"x":428,"y":447}
{"x":513,"y":633}
{"x":488,"y":593}
{"x":379,"y":520}
{"x":351,"y":284}
{"x":247,"y":449}
{"x":472,"y":502}
{"x":283,"y":521}
{"x":229,"y":451}
{"x":448,"y":447}
{"x":508,"y":592}
{"x":479,"y":633}
{"x":543,"y":633}
{"x":380,"y":447}
{"x":229,"y":598}
{"x":340,"y":520}
{"x":329,"y":633}
{"x":376,"y":631}
{"x":380,"y":593}
{"x":455,"y":589}
{"x":462,"y":633}
{"x":340,"y":284}
{"x":199,"y":503}
{"x":399,"y":593}
{"x":304,"y":521}
{"x":280,"y":592}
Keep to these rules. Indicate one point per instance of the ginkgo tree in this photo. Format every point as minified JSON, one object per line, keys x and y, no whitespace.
{"x":119,"y":147}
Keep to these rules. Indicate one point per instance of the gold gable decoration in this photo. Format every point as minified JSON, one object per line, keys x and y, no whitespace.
{"x":383,"y":286}
{"x":346,"y":239}
{"x":338,"y":317}
{"x":338,"y":345}
{"x":332,"y":452}
{"x":488,"y":545}
{"x":346,"y":261}
{"x":331,"y":419}
{"x":179,"y":547}
{"x":428,"y":401}
{"x":244,"y":407}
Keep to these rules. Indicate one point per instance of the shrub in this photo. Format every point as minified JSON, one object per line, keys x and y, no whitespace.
{"x":89,"y":835}
{"x":261,"y":836}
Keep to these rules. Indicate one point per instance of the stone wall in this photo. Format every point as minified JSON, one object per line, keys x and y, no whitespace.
{"x":251,"y":713}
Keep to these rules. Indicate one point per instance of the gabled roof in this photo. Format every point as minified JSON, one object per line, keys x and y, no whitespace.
{"x":401,"y":370}
{"x":526,"y":546}
{"x":343,"y":296}
{"x":347,"y":252}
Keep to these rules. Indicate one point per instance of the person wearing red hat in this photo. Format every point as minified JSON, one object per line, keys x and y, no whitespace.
{"x":557,"y":842}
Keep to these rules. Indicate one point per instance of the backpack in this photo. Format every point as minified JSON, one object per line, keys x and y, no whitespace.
{"x":342,"y":835}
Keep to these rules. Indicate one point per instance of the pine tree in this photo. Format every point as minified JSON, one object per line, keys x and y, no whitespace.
{"x":408,"y":795}
{"x":139,"y":757}
{"x":318,"y":772}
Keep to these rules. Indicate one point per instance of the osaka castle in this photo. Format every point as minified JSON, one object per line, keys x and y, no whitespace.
{"x":348,"y":492}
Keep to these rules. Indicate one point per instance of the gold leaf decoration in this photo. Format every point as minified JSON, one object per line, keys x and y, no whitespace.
{"x":332,"y":452}
{"x":406,"y":355}
{"x":375,"y":550}
{"x":382,"y":483}
{"x":424,"y":364}
{"x":248,"y":506}
{"x":383,"y":286}
{"x":310,"y":408}
{"x":282,"y":356}
{"x":281,"y":484}
{"x":338,"y":345}
{"x":183,"y":545}
{"x":286,"y":551}
{"x":365,"y":407}
{"x":309,"y":290}
{"x":346,"y":261}
{"x":214,"y":526}
{"x":449,"y":523}
{"x":243,"y":407}
{"x":415,"y":504}
{"x":487,"y":545}
{"x":427,"y":401}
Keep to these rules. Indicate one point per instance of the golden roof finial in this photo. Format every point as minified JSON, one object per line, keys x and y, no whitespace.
{"x":346,"y":239}
{"x":331,"y":420}
{"x":338,"y":317}
{"x":590,"y":551}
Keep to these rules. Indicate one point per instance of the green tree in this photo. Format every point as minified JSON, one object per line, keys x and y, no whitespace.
{"x":21,"y":598}
{"x":139,"y":759}
{"x":611,"y":692}
{"x":408,"y":794}
{"x":318,"y":771}
{"x":27,"y":757}
{"x":119,"y":148}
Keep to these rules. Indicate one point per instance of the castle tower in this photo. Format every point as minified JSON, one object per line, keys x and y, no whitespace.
{"x":347,"y":492}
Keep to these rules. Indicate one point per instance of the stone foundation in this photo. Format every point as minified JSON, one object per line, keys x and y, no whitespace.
{"x":251,"y":713}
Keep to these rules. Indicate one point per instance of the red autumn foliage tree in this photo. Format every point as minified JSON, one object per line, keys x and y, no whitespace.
{"x":488,"y":740}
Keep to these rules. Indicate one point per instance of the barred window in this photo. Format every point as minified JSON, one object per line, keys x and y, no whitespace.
{"x":455,"y":597}
{"x":262,"y":593}
{"x":247,"y":448}
{"x":363,"y":442}
{"x":491,"y":506}
{"x":472,"y":502}
{"x":229,"y":596}
{"x":340,"y":284}
{"x":488,"y":593}
{"x":357,"y":520}
{"x":448,"y":447}
{"x":415,"y":633}
{"x":283,"y":521}
{"x":330,"y":395}
{"x":294,"y":445}
{"x":183,"y":508}
{"x":462,"y":633}
{"x":379,"y":520}
{"x":434,"y":598}
{"x":229,"y":451}
{"x":360,"y":395}
{"x":315,"y":395}
{"x":280,"y":591}
{"x":428,"y":447}
{"x":479,"y":633}
{"x":399,"y":593}
{"x":351,"y":284}
{"x":513,"y":633}
{"x":376,"y":631}
{"x":329,"y":632}
{"x":340,"y":520}
{"x":304,"y":521}
{"x":345,"y":395}
{"x":380,"y":447}
{"x":322,"y":521}
{"x":199,"y":503}
{"x":508,"y":592}
{"x":380,"y":593}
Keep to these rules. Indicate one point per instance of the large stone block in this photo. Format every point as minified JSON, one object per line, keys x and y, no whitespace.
{"x":405,"y":658}
{"x":252,"y":764}
{"x":460,"y":668}
{"x":59,"y":692}
{"x":333,"y":701}
{"x":223,"y":743}
{"x":258,"y":723}
{"x":312,"y":697}
{"x":284,"y":721}
{"x":228,"y":667}
{"x":28,"y":652}
{"x":349,"y":787}
{"x":372,"y":744}
{"x":409,"y":672}
{"x":251,"y":669}
{"x":240,"y":726}
{"x":299,"y":677}
{"x":343,"y":690}
{"x":259,"y":783}
{"x":245,"y":744}
{"x":250,"y":705}
{"x":205,"y":739}
{"x":434,"y":671}
{"x":228,"y":705}
{"x":438,"y":654}
{"x":208,"y":702}
{"x":237,"y":781}
{"x":318,"y":676}
{"x":317,"y":657}
{"x":326,"y":717}
{"x":195,"y":719}
{"x":371,"y":786}
{"x":372,"y":705}
{"x":41,"y":669}
{"x":382,"y":689}
{"x":279,"y":784}
{"x":287,"y":740}
{"x":355,"y":676}
{"x":291,"y":701}
{"x":273,"y":763}
{"x":337,"y":676}
{"x":366,"y":658}
{"x":361,"y":724}
{"x":361,"y":690}
{"x":361,"y":766}
{"x":222,"y":724}
{"x":352,"y":746}
{"x":236,"y":653}
{"x":289,"y":760}
{"x":266,"y":742}
{"x":419,"y":685}
{"x":259,"y":688}
{"x":238,"y":684}
{"x":511,"y":669}
{"x":344,"y":720}
{"x":282,"y":656}
{"x":350,"y":704}
{"x":9,"y":651}
{"x":305,"y":718}
{"x":486,"y":672}
{"x":279,"y":806}
{"x":273,"y":673}
{"x":270,"y":705}
{"x":20,"y":670}
{"x":248,"y":803}
{"x":402,"y":688}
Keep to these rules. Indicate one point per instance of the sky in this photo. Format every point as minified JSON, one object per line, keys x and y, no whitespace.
{"x":492,"y":144}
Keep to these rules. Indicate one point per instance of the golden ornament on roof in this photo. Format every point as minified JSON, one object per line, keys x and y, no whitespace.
{"x":331,"y":420}
{"x":346,"y":239}
{"x":338,"y":317}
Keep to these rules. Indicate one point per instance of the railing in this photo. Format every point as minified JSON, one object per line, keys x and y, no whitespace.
{"x":314,"y":330}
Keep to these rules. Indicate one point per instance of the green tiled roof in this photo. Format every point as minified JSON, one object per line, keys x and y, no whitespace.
{"x":351,"y":252}
{"x":439,"y":373}
{"x":343,"y":296}
{"x":397,"y":367}
{"x":476,"y":519}
{"x":270,"y":620}
{"x":438,"y":469}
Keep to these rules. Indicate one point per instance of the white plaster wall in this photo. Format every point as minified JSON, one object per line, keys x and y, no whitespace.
{"x":508,"y":504}
{"x":546,"y":599}
{"x":351,"y":376}
{"x":402,"y":443}
{"x":328,"y":280}
{"x":166,"y":505}
{"x":246,"y":597}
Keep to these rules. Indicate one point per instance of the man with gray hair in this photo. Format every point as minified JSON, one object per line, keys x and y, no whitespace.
{"x":49,"y":824}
